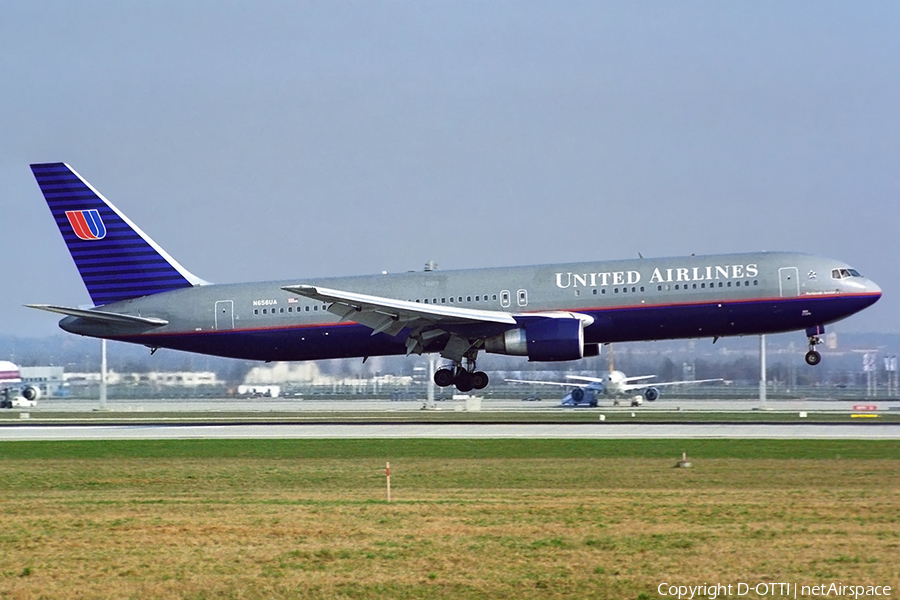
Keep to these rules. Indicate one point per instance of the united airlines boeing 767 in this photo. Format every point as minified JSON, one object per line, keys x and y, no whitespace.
{"x":546,"y":313}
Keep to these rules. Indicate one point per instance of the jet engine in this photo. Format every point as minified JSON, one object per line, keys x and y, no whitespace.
{"x":651,"y":394}
{"x":548,"y":339}
{"x":31,"y":393}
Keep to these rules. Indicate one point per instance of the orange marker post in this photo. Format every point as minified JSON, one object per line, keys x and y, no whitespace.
{"x":387,"y":473}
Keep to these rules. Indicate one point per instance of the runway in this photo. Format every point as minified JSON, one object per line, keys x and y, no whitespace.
{"x":364,"y":404}
{"x":866,"y":431}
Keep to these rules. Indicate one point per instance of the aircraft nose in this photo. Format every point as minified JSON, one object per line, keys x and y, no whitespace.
{"x":873,"y":288}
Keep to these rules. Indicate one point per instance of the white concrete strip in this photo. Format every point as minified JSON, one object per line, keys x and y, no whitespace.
{"x":450,"y":431}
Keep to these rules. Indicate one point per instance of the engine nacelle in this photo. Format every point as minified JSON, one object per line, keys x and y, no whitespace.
{"x":550,"y":339}
{"x":31,"y":393}
{"x":651,"y":394}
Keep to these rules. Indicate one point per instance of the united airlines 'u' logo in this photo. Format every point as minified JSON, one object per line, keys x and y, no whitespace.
{"x":87,"y":224}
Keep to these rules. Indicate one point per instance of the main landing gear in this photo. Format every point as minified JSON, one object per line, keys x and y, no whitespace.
{"x":465,"y":378}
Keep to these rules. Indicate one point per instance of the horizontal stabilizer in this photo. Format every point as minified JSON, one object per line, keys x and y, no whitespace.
{"x":101,"y":316}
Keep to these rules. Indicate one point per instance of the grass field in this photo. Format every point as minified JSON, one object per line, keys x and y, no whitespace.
{"x":470,"y":518}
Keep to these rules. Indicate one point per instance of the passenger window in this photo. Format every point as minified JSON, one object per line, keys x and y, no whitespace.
{"x":443,"y":301}
{"x":451,"y":299}
{"x":477,"y":299}
{"x":676,"y":286}
{"x":290,"y":309}
{"x":281,"y":310}
{"x":264,"y":311}
{"x":468,"y":298}
{"x":702,"y":286}
{"x":659,"y":288}
{"x":616,"y":290}
{"x":694,"y":286}
{"x":307,"y":309}
{"x":495,"y":296}
{"x":729,"y":284}
{"x":255,"y":311}
{"x":755,"y":282}
{"x":603,"y":291}
{"x":316,"y":307}
{"x":595,"y":291}
{"x":642,"y":288}
{"x":720,"y":284}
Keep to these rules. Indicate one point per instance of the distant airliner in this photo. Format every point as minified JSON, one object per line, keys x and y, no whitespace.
{"x":547,"y":313}
{"x":614,"y":384}
{"x":12,"y":392}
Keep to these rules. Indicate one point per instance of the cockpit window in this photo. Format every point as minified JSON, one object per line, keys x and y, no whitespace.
{"x":844,"y":273}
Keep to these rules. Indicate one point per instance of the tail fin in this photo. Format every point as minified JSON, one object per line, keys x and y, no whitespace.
{"x":116,"y":260}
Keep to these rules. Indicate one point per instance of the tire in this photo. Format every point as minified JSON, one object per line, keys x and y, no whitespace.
{"x":443,"y":377}
{"x":480,"y":380}
{"x":813,"y":358}
{"x":464,"y":381}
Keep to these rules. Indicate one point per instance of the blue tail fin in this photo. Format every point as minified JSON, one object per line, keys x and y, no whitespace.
{"x":116,"y":260}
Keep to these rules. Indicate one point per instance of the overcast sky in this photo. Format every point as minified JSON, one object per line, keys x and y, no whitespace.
{"x":273,"y":140}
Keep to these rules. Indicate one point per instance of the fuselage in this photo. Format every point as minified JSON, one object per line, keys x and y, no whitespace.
{"x":629,"y":300}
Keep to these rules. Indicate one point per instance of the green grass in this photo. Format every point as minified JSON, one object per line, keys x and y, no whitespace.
{"x":451,"y":449}
{"x":471,"y":519}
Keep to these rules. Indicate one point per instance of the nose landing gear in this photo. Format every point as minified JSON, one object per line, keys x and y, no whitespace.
{"x":813,"y":357}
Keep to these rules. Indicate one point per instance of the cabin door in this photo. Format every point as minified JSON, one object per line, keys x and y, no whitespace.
{"x":225,"y":315}
{"x":789,"y":282}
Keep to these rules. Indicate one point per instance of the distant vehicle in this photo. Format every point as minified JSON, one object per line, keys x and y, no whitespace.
{"x":12,"y":393}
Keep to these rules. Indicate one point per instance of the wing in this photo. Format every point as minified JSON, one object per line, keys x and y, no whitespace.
{"x":423,"y":322}
{"x":639,"y":386}
{"x":603,"y":380}
{"x":559,"y":383}
{"x":391,"y":316}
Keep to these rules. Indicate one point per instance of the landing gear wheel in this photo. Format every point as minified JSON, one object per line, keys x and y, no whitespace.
{"x":479,"y":380}
{"x":464,"y":381}
{"x":443,"y":377}
{"x":813,"y":358}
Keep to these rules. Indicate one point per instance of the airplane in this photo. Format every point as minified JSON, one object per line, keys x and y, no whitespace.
{"x":614,"y":384}
{"x":12,"y":394}
{"x":559,"y":312}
